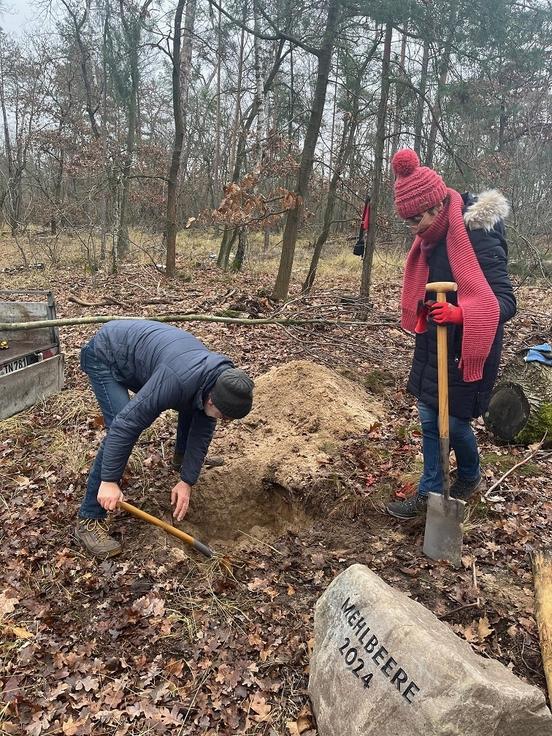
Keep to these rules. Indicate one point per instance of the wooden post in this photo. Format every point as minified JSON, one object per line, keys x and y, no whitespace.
{"x":542,"y":573}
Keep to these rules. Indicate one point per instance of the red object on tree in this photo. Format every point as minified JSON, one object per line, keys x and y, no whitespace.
{"x":366,"y":216}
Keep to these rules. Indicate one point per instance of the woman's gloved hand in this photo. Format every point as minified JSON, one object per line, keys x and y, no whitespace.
{"x":443,"y":313}
{"x":421,"y":317}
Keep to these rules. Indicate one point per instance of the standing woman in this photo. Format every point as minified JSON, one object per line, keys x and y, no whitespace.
{"x":457,"y":238}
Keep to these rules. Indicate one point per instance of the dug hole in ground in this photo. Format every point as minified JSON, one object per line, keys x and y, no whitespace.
{"x":277,"y":461}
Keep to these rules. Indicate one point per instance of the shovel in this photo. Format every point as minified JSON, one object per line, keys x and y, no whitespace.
{"x":195,"y":543}
{"x":445,"y":515}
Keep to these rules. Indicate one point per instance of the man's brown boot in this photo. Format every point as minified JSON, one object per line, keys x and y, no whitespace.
{"x":92,"y":534}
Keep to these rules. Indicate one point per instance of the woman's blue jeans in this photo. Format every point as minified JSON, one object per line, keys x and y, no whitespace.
{"x":462,"y":441}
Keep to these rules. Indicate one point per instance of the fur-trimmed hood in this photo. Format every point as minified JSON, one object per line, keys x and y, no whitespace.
{"x":486,"y":210}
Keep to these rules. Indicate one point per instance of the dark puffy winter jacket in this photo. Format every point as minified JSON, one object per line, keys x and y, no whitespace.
{"x":167,"y":368}
{"x":484,"y":221}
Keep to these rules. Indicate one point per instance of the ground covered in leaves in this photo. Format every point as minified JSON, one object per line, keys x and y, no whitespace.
{"x":162,"y":641}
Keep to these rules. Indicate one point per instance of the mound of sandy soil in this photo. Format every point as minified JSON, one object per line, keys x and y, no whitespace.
{"x":303,"y":412}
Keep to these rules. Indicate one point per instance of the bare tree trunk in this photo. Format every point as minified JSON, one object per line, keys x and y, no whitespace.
{"x":291,"y":109}
{"x":350,"y":124}
{"x":7,"y":139}
{"x":78,"y":25}
{"x":332,"y":131}
{"x":58,"y":186}
{"x":378,"y":168}
{"x":186,"y":71}
{"x":230,"y":234}
{"x":237,"y":113}
{"x":240,"y":252}
{"x":216,"y":164}
{"x":12,"y":194}
{"x":106,"y":162}
{"x":399,"y":93}
{"x":283,"y":278}
{"x":122,"y":238}
{"x":228,"y":239}
{"x":177,"y":73}
{"x":133,"y":29}
{"x":441,"y":82}
{"x":419,"y":122}
{"x":116,"y":223}
{"x":349,"y":128}
{"x":259,"y":91}
{"x":502,"y":122}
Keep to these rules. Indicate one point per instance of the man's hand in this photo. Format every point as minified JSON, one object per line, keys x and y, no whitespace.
{"x":444,"y":313}
{"x":109,"y":495}
{"x":180,"y":499}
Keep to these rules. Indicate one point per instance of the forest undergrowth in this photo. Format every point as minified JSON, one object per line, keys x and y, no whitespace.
{"x":162,"y":641}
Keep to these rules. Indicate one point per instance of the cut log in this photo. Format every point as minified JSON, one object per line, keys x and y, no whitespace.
{"x":520,"y":409}
{"x":542,"y":573}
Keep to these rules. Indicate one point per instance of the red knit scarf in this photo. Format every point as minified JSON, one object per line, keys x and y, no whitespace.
{"x":475,"y":296}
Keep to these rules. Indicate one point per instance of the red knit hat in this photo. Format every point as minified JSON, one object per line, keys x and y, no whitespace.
{"x":417,"y":188}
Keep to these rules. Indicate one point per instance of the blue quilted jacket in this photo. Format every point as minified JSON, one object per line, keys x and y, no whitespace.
{"x":167,"y":368}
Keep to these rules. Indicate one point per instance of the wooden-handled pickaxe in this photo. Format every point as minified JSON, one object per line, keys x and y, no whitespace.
{"x":195,"y":543}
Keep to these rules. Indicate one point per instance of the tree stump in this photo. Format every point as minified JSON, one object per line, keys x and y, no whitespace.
{"x":520,"y":409}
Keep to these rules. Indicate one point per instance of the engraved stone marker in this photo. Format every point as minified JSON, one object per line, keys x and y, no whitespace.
{"x":383,"y":664}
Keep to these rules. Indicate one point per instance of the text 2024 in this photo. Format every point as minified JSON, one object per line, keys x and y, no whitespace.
{"x":351,"y":657}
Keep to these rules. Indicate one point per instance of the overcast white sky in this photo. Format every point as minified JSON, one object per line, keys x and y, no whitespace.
{"x":17,"y":15}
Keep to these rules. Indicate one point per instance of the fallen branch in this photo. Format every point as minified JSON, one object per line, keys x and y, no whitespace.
{"x":104,"y":302}
{"x":459,"y":608}
{"x":518,"y":465}
{"x":101,"y":319}
{"x":108,"y":300}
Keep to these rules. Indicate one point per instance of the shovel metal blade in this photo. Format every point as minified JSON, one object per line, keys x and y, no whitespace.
{"x":444,"y":529}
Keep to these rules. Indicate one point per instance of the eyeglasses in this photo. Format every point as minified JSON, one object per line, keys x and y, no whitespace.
{"x":414,"y":220}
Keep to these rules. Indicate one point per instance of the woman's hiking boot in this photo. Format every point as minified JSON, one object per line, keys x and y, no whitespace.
{"x":465,"y":489}
{"x":93,"y":534}
{"x":408,"y":508}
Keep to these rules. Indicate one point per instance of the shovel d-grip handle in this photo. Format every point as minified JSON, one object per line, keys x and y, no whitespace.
{"x":139,"y":514}
{"x":441,"y":288}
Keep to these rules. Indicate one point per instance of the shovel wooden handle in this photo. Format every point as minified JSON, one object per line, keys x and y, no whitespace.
{"x":441,"y":288}
{"x":139,"y":514}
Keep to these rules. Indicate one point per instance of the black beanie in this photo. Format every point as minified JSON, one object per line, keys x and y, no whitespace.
{"x":232,"y":393}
